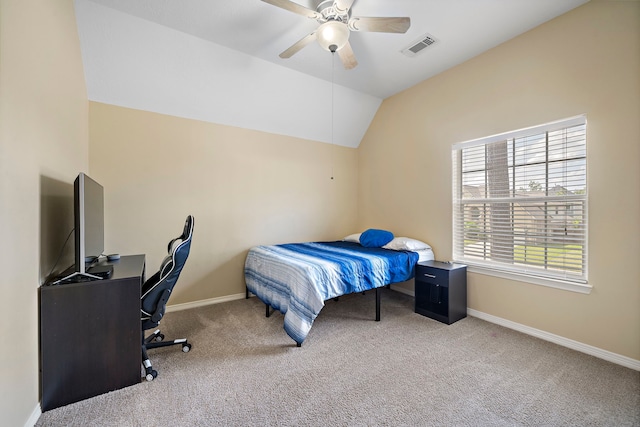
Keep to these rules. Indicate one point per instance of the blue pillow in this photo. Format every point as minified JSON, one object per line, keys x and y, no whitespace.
{"x":373,"y":238}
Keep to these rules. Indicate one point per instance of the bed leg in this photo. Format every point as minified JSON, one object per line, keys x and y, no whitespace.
{"x":268,"y":310}
{"x":246,"y":292}
{"x":377,"y":304}
{"x":298,"y":344}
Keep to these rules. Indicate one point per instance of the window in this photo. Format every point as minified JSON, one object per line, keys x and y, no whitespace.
{"x":520,"y":202}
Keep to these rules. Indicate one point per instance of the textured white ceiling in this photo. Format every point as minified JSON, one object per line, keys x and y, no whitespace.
{"x":217,"y":60}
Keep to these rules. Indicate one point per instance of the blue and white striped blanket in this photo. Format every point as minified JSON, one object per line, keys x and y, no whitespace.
{"x":297,"y":278}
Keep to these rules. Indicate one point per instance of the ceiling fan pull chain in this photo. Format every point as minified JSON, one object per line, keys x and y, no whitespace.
{"x":333,"y":57}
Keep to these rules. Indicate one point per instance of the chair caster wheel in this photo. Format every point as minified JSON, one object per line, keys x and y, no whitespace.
{"x":186,"y":348}
{"x":151,"y":375}
{"x":159,"y":338}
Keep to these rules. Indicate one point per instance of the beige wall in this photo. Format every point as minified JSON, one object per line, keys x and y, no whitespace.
{"x":586,"y":61}
{"x":244,"y":188}
{"x":43,"y":145}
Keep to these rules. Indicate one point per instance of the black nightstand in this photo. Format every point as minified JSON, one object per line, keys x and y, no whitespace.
{"x":441,"y":291}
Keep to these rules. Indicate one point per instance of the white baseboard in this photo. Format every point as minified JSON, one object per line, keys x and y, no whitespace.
{"x":202,"y":303}
{"x":35,"y":416}
{"x":556,"y":339}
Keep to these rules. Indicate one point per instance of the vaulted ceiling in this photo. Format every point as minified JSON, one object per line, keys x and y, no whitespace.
{"x":218,"y":61}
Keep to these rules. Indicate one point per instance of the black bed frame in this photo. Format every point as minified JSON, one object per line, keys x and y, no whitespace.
{"x":268,"y":307}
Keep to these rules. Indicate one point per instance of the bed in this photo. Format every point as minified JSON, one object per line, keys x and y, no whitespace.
{"x":297,"y":278}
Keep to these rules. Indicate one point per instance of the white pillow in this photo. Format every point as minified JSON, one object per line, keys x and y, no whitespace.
{"x":355,"y":238}
{"x":406,"y":244}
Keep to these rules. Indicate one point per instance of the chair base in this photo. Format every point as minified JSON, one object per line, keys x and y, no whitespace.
{"x":155,"y":340}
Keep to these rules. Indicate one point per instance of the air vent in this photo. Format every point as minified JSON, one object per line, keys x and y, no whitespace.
{"x":419,"y":45}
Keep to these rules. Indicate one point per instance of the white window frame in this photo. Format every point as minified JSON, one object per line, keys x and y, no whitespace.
{"x":572,"y":274}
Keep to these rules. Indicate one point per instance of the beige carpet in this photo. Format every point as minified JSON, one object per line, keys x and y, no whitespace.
{"x":406,"y":370}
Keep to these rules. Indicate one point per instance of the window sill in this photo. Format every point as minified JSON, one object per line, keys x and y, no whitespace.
{"x":542,"y":281}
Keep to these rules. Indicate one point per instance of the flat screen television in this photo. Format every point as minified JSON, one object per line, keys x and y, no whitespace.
{"x":89,"y":220}
{"x":88,"y":201}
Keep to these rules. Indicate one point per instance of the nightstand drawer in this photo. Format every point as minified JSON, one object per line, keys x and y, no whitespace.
{"x":432,"y":275}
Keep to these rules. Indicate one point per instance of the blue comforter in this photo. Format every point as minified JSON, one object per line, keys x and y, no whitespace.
{"x":297,"y":278}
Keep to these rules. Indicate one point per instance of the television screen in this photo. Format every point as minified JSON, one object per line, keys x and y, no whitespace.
{"x":89,"y":221}
{"x":88,"y":209}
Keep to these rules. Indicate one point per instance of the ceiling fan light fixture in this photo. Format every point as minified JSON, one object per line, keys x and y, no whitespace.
{"x":333,"y":35}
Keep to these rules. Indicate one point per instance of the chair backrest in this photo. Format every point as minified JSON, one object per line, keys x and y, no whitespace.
{"x":156,"y":290}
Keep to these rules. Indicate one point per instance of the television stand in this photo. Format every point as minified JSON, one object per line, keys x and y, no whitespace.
{"x":90,"y":334}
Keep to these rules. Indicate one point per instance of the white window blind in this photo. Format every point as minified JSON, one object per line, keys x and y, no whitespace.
{"x":520,"y":201}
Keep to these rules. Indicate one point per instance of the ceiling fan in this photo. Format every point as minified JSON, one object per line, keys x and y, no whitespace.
{"x":336,"y":25}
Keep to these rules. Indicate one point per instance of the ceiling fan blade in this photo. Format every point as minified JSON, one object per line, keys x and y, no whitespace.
{"x":298,"y":45}
{"x":347,"y":57}
{"x":343,"y":5}
{"x":295,"y":8}
{"x":380,"y":25}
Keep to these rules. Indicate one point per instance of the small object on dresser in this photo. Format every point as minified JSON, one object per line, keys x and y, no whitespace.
{"x":441,"y":291}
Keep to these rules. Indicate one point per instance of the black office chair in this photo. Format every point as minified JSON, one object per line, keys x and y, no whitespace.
{"x":155,"y":294}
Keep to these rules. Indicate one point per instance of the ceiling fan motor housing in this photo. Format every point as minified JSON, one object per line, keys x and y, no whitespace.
{"x":330,"y":13}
